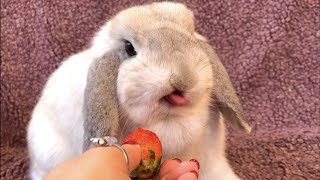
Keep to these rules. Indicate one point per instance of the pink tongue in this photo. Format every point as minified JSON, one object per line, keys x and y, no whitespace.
{"x":176,"y":99}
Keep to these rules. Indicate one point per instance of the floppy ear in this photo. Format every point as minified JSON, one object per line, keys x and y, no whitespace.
{"x":224,"y":95}
{"x":101,"y":116}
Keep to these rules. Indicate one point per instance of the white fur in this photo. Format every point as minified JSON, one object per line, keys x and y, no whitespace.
{"x":55,"y":132}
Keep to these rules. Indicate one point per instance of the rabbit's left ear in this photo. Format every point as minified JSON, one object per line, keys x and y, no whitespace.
{"x":224,"y":95}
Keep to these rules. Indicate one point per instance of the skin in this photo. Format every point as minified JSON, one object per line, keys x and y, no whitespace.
{"x":92,"y":165}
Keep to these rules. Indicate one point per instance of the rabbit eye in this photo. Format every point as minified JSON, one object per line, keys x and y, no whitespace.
{"x":130,"y":49}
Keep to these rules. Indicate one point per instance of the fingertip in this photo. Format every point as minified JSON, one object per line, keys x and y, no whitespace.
{"x":168,"y":165}
{"x":195,"y":161}
{"x":134,"y":154}
{"x":177,"y":159}
{"x":180,"y":169}
{"x":192,"y":175}
{"x":195,"y":173}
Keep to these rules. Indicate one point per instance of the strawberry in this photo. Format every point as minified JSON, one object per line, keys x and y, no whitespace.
{"x":150,"y":155}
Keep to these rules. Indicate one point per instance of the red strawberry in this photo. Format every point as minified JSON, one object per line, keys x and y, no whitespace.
{"x":151,"y":152}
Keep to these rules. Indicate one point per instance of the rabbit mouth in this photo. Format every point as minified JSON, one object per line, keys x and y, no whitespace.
{"x":175,"y":98}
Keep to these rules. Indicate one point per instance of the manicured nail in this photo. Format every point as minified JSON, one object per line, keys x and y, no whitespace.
{"x":195,"y":172}
{"x":177,"y":159}
{"x":197,"y":162}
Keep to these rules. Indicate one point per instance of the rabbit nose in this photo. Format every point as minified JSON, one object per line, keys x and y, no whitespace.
{"x":182,"y":77}
{"x":182,"y":81}
{"x":176,"y":98}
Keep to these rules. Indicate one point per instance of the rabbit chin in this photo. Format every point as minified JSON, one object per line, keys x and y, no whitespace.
{"x":176,"y":127}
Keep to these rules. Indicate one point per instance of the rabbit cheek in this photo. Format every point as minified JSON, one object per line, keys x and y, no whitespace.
{"x":139,"y":89}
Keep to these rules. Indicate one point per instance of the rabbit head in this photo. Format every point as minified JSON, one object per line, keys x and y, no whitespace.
{"x":169,"y":79}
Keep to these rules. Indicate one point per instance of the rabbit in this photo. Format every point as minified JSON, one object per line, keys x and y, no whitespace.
{"x":166,"y":78}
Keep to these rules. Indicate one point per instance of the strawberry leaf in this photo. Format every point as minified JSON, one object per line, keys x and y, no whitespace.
{"x":152,"y":157}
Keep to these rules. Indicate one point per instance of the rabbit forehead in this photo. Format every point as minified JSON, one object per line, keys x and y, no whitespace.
{"x":166,"y":40}
{"x":139,"y":19}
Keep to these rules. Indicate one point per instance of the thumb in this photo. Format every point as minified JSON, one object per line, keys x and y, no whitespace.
{"x":134,"y":155}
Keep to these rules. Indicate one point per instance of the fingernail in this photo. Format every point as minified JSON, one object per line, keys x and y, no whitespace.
{"x":197,"y":162}
{"x":195,"y":172}
{"x":177,"y":159}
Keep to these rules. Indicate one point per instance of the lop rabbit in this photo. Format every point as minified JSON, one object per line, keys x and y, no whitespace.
{"x":147,"y":67}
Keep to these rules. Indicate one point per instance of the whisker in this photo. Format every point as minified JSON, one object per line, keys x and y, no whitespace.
{"x":202,"y":59}
{"x":144,"y":64}
{"x":121,"y":134}
{"x":204,"y":65}
{"x":123,"y":115}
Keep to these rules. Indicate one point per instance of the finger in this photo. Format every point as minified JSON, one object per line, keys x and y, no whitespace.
{"x":112,"y":154}
{"x":184,"y":167}
{"x":193,"y":175}
{"x":134,"y":155}
{"x":93,"y":164}
{"x":167,"y":166}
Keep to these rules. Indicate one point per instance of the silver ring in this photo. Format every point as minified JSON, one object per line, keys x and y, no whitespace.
{"x":124,"y":153}
{"x":109,"y":141}
{"x":103,"y":141}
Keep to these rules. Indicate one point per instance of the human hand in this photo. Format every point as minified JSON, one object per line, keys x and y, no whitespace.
{"x":175,"y":169}
{"x":98,"y":163}
{"x":109,"y":163}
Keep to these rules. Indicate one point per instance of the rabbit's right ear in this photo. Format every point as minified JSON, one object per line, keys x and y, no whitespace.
{"x":101,"y":115}
{"x":224,"y":95}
